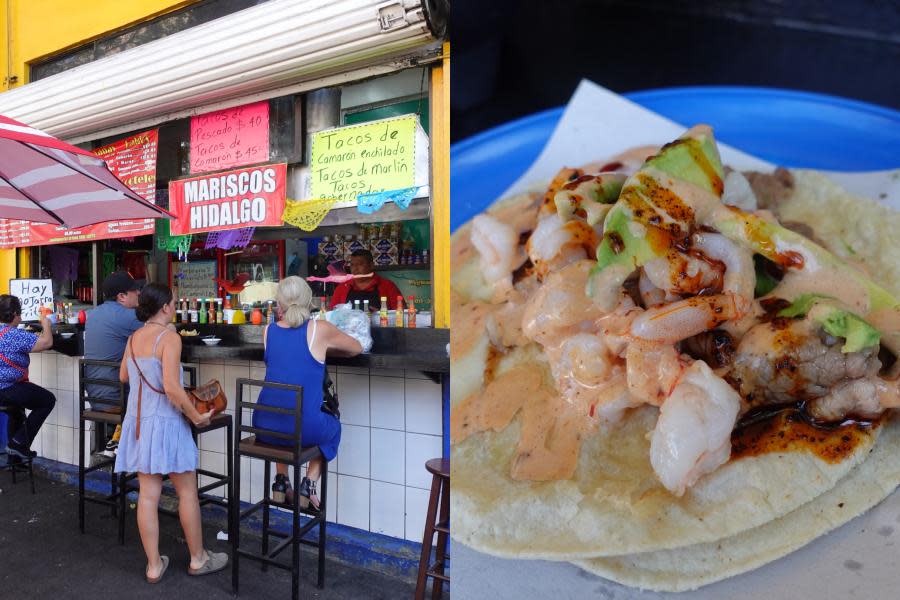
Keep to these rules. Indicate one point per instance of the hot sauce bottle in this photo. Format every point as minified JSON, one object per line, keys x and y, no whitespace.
{"x":398,"y":318}
{"x":383,"y":313}
{"x":411,"y":310}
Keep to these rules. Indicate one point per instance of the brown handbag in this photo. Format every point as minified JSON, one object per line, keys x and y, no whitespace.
{"x":209,"y":396}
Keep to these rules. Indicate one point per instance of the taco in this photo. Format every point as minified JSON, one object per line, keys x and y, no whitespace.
{"x":663,"y":353}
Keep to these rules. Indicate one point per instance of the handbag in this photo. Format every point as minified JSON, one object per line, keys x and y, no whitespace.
{"x":330,"y":404}
{"x":209,"y":396}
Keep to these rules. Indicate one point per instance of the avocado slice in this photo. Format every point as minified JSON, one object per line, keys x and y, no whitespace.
{"x":649,"y":217}
{"x":589,"y":197}
{"x":837,"y":321}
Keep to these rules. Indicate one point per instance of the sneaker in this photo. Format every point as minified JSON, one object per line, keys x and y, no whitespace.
{"x":112,"y":446}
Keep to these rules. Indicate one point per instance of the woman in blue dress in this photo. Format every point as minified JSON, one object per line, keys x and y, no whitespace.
{"x":295,"y":349}
{"x":156,"y":437}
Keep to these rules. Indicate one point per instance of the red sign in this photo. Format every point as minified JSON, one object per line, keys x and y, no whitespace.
{"x":251,"y":197}
{"x":133,"y":160}
{"x":230,"y":138}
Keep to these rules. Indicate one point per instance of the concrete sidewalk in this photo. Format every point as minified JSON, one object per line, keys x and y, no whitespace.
{"x":43,"y":555}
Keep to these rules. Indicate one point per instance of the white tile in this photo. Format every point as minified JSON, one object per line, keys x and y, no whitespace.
{"x":88,"y":441}
{"x":419,"y":450}
{"x":49,"y":441}
{"x":213,"y":441}
{"x":353,"y":395}
{"x":331,"y":500}
{"x":66,"y":414}
{"x":387,"y":513}
{"x":37,"y":444}
{"x":387,"y":402}
{"x":423,"y":407}
{"x":353,"y":501}
{"x":210,"y":371}
{"x":256,"y":480}
{"x":35,"y":368}
{"x":184,"y":374}
{"x":388,"y":455}
{"x":65,"y":372}
{"x":245,"y":479}
{"x":410,"y":374}
{"x":215,"y":462}
{"x":257,"y":364}
{"x":65,"y":445}
{"x":354,"y":451}
{"x":229,"y":381}
{"x":353,"y":370}
{"x":416,"y":509}
{"x":53,"y":417}
{"x":48,"y":370}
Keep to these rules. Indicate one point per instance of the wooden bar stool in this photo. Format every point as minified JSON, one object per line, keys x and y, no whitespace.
{"x":25,"y":465}
{"x":440,"y":494}
{"x":110,"y":417}
{"x":294,"y":455}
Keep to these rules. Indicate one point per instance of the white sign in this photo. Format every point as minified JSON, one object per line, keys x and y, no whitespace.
{"x":33,"y":294}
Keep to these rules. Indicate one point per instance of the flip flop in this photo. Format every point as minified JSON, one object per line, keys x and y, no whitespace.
{"x":165,"y":563}
{"x":216,"y":562}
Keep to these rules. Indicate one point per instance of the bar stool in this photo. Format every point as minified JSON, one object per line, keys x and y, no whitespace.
{"x":440,"y":491}
{"x":25,"y":465}
{"x":295,"y":456}
{"x":111,"y":416}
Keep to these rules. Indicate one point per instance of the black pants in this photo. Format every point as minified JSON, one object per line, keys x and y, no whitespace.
{"x":32,"y":397}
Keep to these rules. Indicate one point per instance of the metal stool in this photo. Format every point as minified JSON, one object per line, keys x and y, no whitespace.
{"x":295,"y":456}
{"x":26,"y":465}
{"x":440,"y":490}
{"x":116,"y":499}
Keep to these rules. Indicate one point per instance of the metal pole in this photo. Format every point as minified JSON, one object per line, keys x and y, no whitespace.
{"x":95,"y":271}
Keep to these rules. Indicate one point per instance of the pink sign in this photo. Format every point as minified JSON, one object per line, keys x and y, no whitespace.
{"x":229,"y":138}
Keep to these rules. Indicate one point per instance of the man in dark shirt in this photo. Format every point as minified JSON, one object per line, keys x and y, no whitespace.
{"x":366,"y":288}
{"x":105,"y":335}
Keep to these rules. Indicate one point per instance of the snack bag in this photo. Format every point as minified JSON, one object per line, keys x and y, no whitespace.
{"x":354,"y":323}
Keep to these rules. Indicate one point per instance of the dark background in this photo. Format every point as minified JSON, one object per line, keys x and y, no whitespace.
{"x":512,"y":58}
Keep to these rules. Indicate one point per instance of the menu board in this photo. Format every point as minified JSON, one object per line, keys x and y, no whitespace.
{"x":133,"y":160}
{"x":361,"y":159}
{"x":33,"y":294}
{"x":195,"y":279}
{"x":230,"y":138}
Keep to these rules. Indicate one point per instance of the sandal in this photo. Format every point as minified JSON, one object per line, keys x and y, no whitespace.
{"x":165,"y":565}
{"x":282,"y":492}
{"x":309,"y":501}
{"x":216,"y":562}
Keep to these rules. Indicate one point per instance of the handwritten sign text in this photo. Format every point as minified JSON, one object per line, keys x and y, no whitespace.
{"x":230,"y":137}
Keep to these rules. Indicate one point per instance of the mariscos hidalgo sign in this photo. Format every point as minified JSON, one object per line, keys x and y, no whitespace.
{"x":250,"y":197}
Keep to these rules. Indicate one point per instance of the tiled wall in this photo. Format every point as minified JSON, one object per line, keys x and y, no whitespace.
{"x":378,"y":482}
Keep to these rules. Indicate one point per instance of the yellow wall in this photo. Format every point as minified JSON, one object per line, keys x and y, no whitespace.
{"x":42,"y":28}
{"x":440,"y":187}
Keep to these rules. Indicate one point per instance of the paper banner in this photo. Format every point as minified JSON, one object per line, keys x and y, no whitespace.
{"x":181,"y":244}
{"x":233,"y":238}
{"x":307,"y":214}
{"x":369,"y":203}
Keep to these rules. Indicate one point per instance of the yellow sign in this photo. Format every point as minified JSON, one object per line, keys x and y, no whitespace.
{"x":359,"y":159}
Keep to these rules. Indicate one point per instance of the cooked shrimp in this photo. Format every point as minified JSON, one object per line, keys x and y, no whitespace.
{"x":693,"y":434}
{"x":653,"y":369}
{"x":500,"y":254}
{"x":554,"y":243}
{"x":560,"y":306}
{"x":613,"y":399}
{"x":679,"y":273}
{"x":650,"y":294}
{"x":680,"y":320}
{"x":738,"y":192}
{"x":740,"y":276}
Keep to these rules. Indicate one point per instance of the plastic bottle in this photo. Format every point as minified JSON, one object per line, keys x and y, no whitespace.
{"x":185,"y":313}
{"x":383,"y":313}
{"x":220,"y":314}
{"x":193,"y":311}
{"x":356,"y":305}
{"x":203,"y":313}
{"x":411,"y":312}
{"x":366,"y":306}
{"x":270,"y":314}
{"x":228,"y":301}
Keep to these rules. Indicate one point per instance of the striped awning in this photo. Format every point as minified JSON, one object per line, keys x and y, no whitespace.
{"x":45,"y":180}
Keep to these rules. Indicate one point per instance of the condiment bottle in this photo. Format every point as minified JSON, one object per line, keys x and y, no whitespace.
{"x":366,"y":306}
{"x":228,"y":301}
{"x":212,"y":311}
{"x":220,"y":314}
{"x":193,"y":311}
{"x":411,"y":312}
{"x":270,"y":314}
{"x":383,"y":313}
{"x":203,"y":313}
{"x":256,"y":317}
{"x":398,"y":314}
{"x":356,"y":305}
{"x":185,"y":313}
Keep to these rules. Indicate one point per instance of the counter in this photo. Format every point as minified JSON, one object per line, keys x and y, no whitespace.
{"x":394,"y":416}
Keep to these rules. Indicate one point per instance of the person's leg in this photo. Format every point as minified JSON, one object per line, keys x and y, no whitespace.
{"x":35,"y":399}
{"x":189,"y":513}
{"x":148,"y":520}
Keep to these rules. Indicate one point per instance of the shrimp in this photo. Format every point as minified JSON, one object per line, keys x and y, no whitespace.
{"x":560,"y":306}
{"x":680,"y":273}
{"x":556,"y":243}
{"x":692,"y":436}
{"x":680,"y":320}
{"x":653,"y":369}
{"x":740,"y":276}
{"x":498,"y":246}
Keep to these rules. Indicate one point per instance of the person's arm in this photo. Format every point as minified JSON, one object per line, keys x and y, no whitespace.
{"x":123,"y":366}
{"x":171,"y":366}
{"x":337,"y":343}
{"x":45,"y":340}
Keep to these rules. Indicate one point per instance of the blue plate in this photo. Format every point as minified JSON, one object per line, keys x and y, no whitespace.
{"x":794,"y":129}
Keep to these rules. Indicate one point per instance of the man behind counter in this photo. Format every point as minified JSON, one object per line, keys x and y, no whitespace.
{"x":366,"y":288}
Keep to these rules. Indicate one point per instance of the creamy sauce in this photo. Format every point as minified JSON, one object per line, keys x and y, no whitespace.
{"x":468,"y":324}
{"x":495,"y":406}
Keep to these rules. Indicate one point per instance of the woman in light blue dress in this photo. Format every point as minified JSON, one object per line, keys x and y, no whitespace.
{"x":156,"y":436}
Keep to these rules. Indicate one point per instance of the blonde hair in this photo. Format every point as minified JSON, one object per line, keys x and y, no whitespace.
{"x":294,"y":298}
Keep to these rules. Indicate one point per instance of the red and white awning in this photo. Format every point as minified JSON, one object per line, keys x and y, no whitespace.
{"x":45,"y":180}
